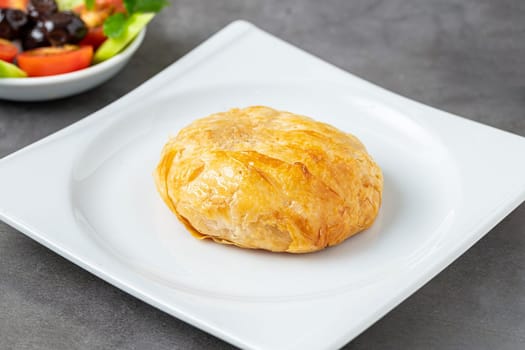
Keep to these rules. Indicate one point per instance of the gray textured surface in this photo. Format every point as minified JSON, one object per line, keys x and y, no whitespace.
{"x":466,"y":57}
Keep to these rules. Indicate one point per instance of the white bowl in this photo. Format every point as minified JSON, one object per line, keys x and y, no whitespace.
{"x":63,"y":85}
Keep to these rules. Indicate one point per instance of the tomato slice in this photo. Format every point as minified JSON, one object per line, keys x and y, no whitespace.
{"x":14,"y":4}
{"x":55,"y":60}
{"x":94,"y":37}
{"x":117,"y":5}
{"x":8,"y":50}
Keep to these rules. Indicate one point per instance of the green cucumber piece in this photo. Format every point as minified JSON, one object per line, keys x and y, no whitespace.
{"x":64,"y":5}
{"x":9,"y":70}
{"x":134,"y":24}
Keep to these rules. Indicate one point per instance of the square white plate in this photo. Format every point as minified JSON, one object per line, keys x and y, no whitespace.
{"x":87,"y":193}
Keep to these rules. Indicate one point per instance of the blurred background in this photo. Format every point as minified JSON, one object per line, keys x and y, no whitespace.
{"x":462,"y":56}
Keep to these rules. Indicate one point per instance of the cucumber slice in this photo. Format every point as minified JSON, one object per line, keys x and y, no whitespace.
{"x":9,"y":70}
{"x":64,"y":5}
{"x":134,"y":24}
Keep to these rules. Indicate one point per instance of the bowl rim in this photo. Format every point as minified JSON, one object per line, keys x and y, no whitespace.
{"x":79,"y":74}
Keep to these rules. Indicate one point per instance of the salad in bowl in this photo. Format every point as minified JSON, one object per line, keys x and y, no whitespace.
{"x":44,"y":38}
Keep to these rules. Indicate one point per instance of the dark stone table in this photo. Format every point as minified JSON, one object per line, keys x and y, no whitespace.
{"x":466,"y":57}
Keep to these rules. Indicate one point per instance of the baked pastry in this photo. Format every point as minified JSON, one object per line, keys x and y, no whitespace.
{"x":261,"y":178}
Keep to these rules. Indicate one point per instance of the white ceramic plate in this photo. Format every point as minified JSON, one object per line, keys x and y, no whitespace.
{"x":87,"y":193}
{"x":68,"y":84}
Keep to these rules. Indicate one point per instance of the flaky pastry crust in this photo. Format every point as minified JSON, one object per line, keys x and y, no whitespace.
{"x":268,"y":179}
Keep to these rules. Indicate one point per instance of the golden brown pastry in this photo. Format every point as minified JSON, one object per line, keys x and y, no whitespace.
{"x":261,"y":178}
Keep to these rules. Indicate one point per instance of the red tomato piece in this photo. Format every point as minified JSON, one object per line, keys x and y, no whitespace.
{"x":94,"y":37}
{"x":55,"y":60}
{"x":14,"y":4}
{"x":117,"y":5}
{"x":8,"y":50}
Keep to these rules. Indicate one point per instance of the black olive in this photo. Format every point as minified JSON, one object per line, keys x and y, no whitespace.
{"x":37,"y":9}
{"x":13,"y":23}
{"x":77,"y":29}
{"x":64,"y":28}
{"x":36,"y":37}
